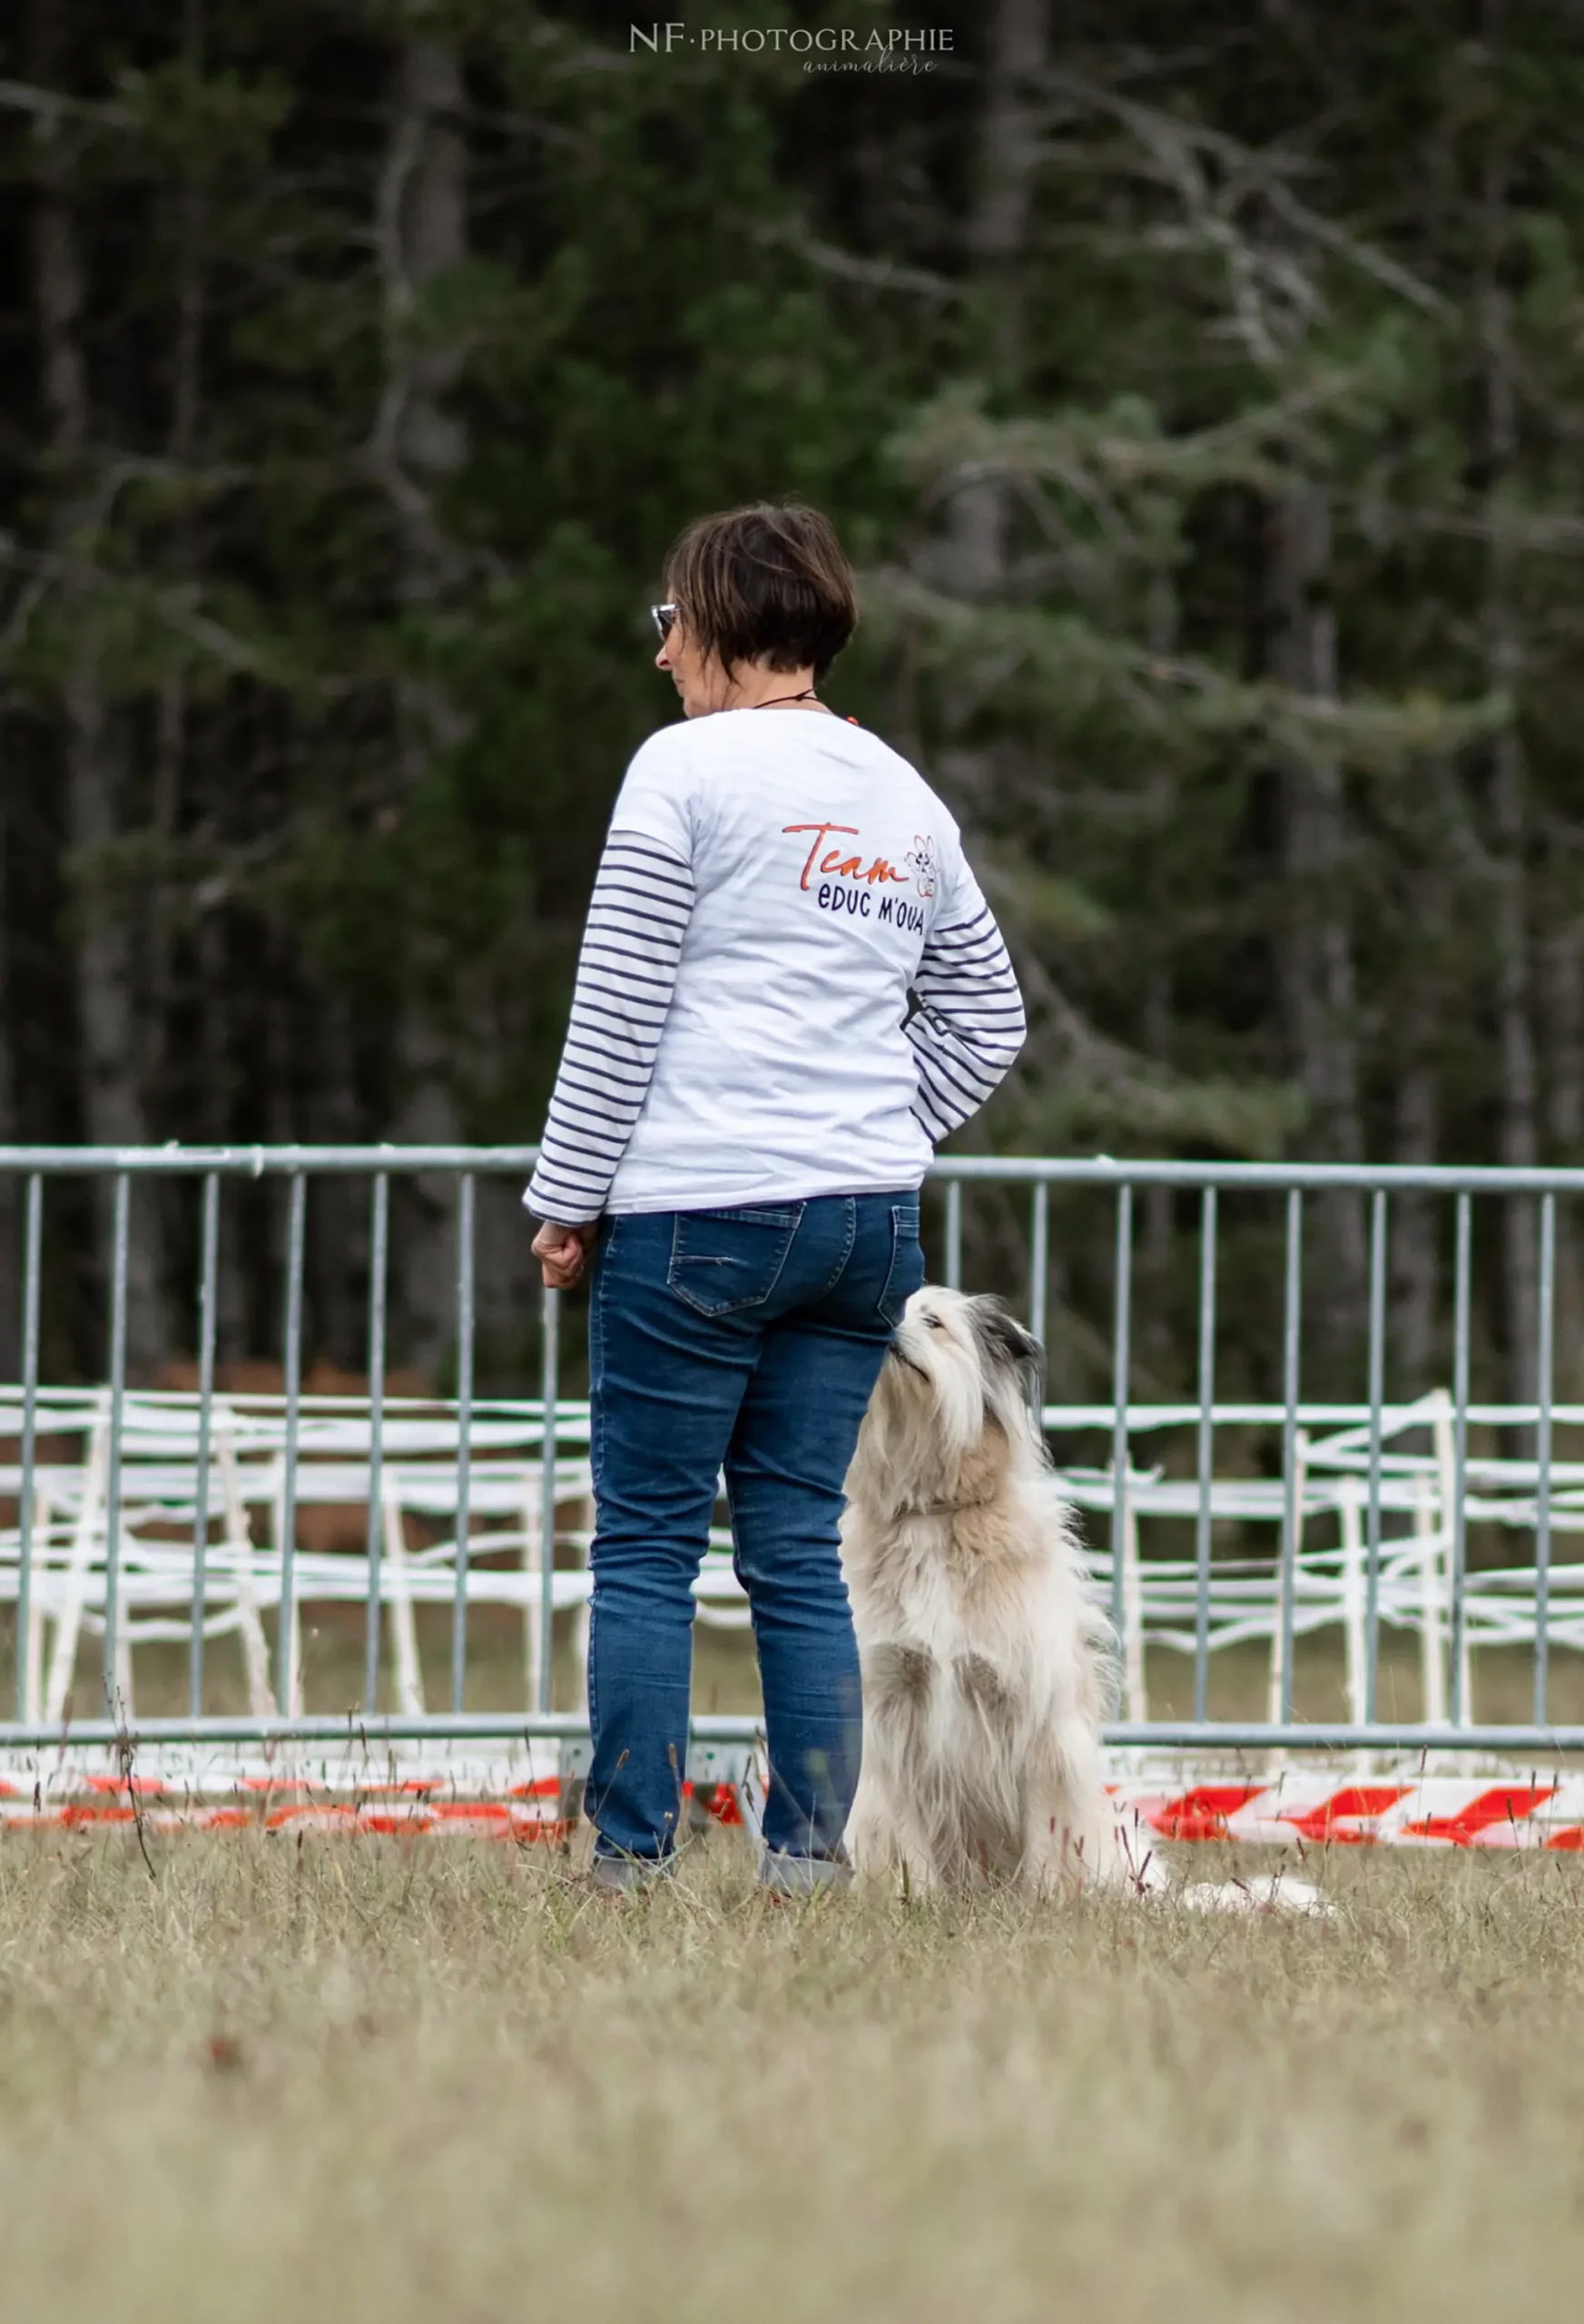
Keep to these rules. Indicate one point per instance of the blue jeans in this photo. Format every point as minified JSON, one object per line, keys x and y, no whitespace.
{"x":746,"y":1341}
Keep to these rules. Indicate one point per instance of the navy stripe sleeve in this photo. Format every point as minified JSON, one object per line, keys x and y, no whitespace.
{"x":967,"y":1023}
{"x":637,"y":918}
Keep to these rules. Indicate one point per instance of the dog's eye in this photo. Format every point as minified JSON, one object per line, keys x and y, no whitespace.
{"x":934,"y":1323}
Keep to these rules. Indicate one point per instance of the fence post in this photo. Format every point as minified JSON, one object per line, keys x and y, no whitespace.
{"x":374,"y":1539}
{"x":550,"y":1397}
{"x":1291,"y":1479}
{"x":117,"y":1416}
{"x":209,"y":1262}
{"x":1376,"y":1392}
{"x":1460,"y":1674}
{"x":464,"y":1329}
{"x":27,"y":1676}
{"x":288,"y":1660}
{"x":1121,"y":1369}
{"x":1206,"y":1451}
{"x":1544,"y":1368}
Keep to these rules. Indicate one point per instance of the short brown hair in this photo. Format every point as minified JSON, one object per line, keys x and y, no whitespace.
{"x":768,"y":582}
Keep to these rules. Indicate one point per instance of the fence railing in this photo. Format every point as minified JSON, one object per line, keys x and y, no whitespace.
{"x":1223,"y":1525}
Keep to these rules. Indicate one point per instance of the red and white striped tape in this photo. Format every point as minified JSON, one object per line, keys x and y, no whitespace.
{"x":508,"y":1801}
{"x":525,"y":1799}
{"x":1409,"y":1810}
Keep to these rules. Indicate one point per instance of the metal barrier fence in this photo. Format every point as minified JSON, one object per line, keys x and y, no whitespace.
{"x":97,"y":1542}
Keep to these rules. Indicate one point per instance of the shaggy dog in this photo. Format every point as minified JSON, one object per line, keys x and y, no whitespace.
{"x":988,"y":1663}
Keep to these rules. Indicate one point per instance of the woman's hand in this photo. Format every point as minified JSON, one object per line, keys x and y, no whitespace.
{"x":563,"y":1253}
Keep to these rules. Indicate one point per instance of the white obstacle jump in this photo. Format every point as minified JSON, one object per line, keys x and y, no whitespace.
{"x":165,"y":1579}
{"x":1423,"y":1503}
{"x":160,"y":1593}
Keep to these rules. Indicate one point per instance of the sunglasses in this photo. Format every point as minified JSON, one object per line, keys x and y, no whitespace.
{"x":664,"y":618}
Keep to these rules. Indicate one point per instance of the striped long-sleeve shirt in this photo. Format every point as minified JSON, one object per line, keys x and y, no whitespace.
{"x":790,"y":984}
{"x":966,"y":1028}
{"x":637,"y":916}
{"x":968,"y":1022}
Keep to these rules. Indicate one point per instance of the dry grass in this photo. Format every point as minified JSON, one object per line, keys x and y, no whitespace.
{"x":364,"y":2080}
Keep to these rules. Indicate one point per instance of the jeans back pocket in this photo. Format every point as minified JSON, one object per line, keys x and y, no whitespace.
{"x":906,"y":1272}
{"x":725,"y":1260}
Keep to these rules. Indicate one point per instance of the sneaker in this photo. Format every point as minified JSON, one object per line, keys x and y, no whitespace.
{"x":801,"y":1876}
{"x":626,"y":1875}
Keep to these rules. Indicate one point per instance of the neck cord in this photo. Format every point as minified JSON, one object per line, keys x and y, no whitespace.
{"x":808,"y":695}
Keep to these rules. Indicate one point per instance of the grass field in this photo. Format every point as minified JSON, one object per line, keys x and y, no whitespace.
{"x":376,"y":2081}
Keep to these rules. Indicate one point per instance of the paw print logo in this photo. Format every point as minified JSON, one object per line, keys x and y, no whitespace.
{"x":922,"y":861}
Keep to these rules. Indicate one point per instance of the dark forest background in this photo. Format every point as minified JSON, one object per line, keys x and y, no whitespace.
{"x":1201,"y":392}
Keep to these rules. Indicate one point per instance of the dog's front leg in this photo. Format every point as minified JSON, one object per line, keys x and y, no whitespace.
{"x":880,"y":1842}
{"x":1067,"y":1851}
{"x":1072,"y":1839}
{"x":1059,"y":1860}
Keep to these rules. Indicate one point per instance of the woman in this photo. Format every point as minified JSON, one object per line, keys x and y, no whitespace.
{"x":790,"y":988}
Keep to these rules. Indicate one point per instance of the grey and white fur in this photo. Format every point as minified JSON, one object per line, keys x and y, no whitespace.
{"x":989,"y":1663}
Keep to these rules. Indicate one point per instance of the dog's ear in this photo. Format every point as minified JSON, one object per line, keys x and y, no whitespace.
{"x":1005,"y":1345}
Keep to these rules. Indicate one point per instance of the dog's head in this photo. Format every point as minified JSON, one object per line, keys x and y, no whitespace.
{"x":950,"y":1407}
